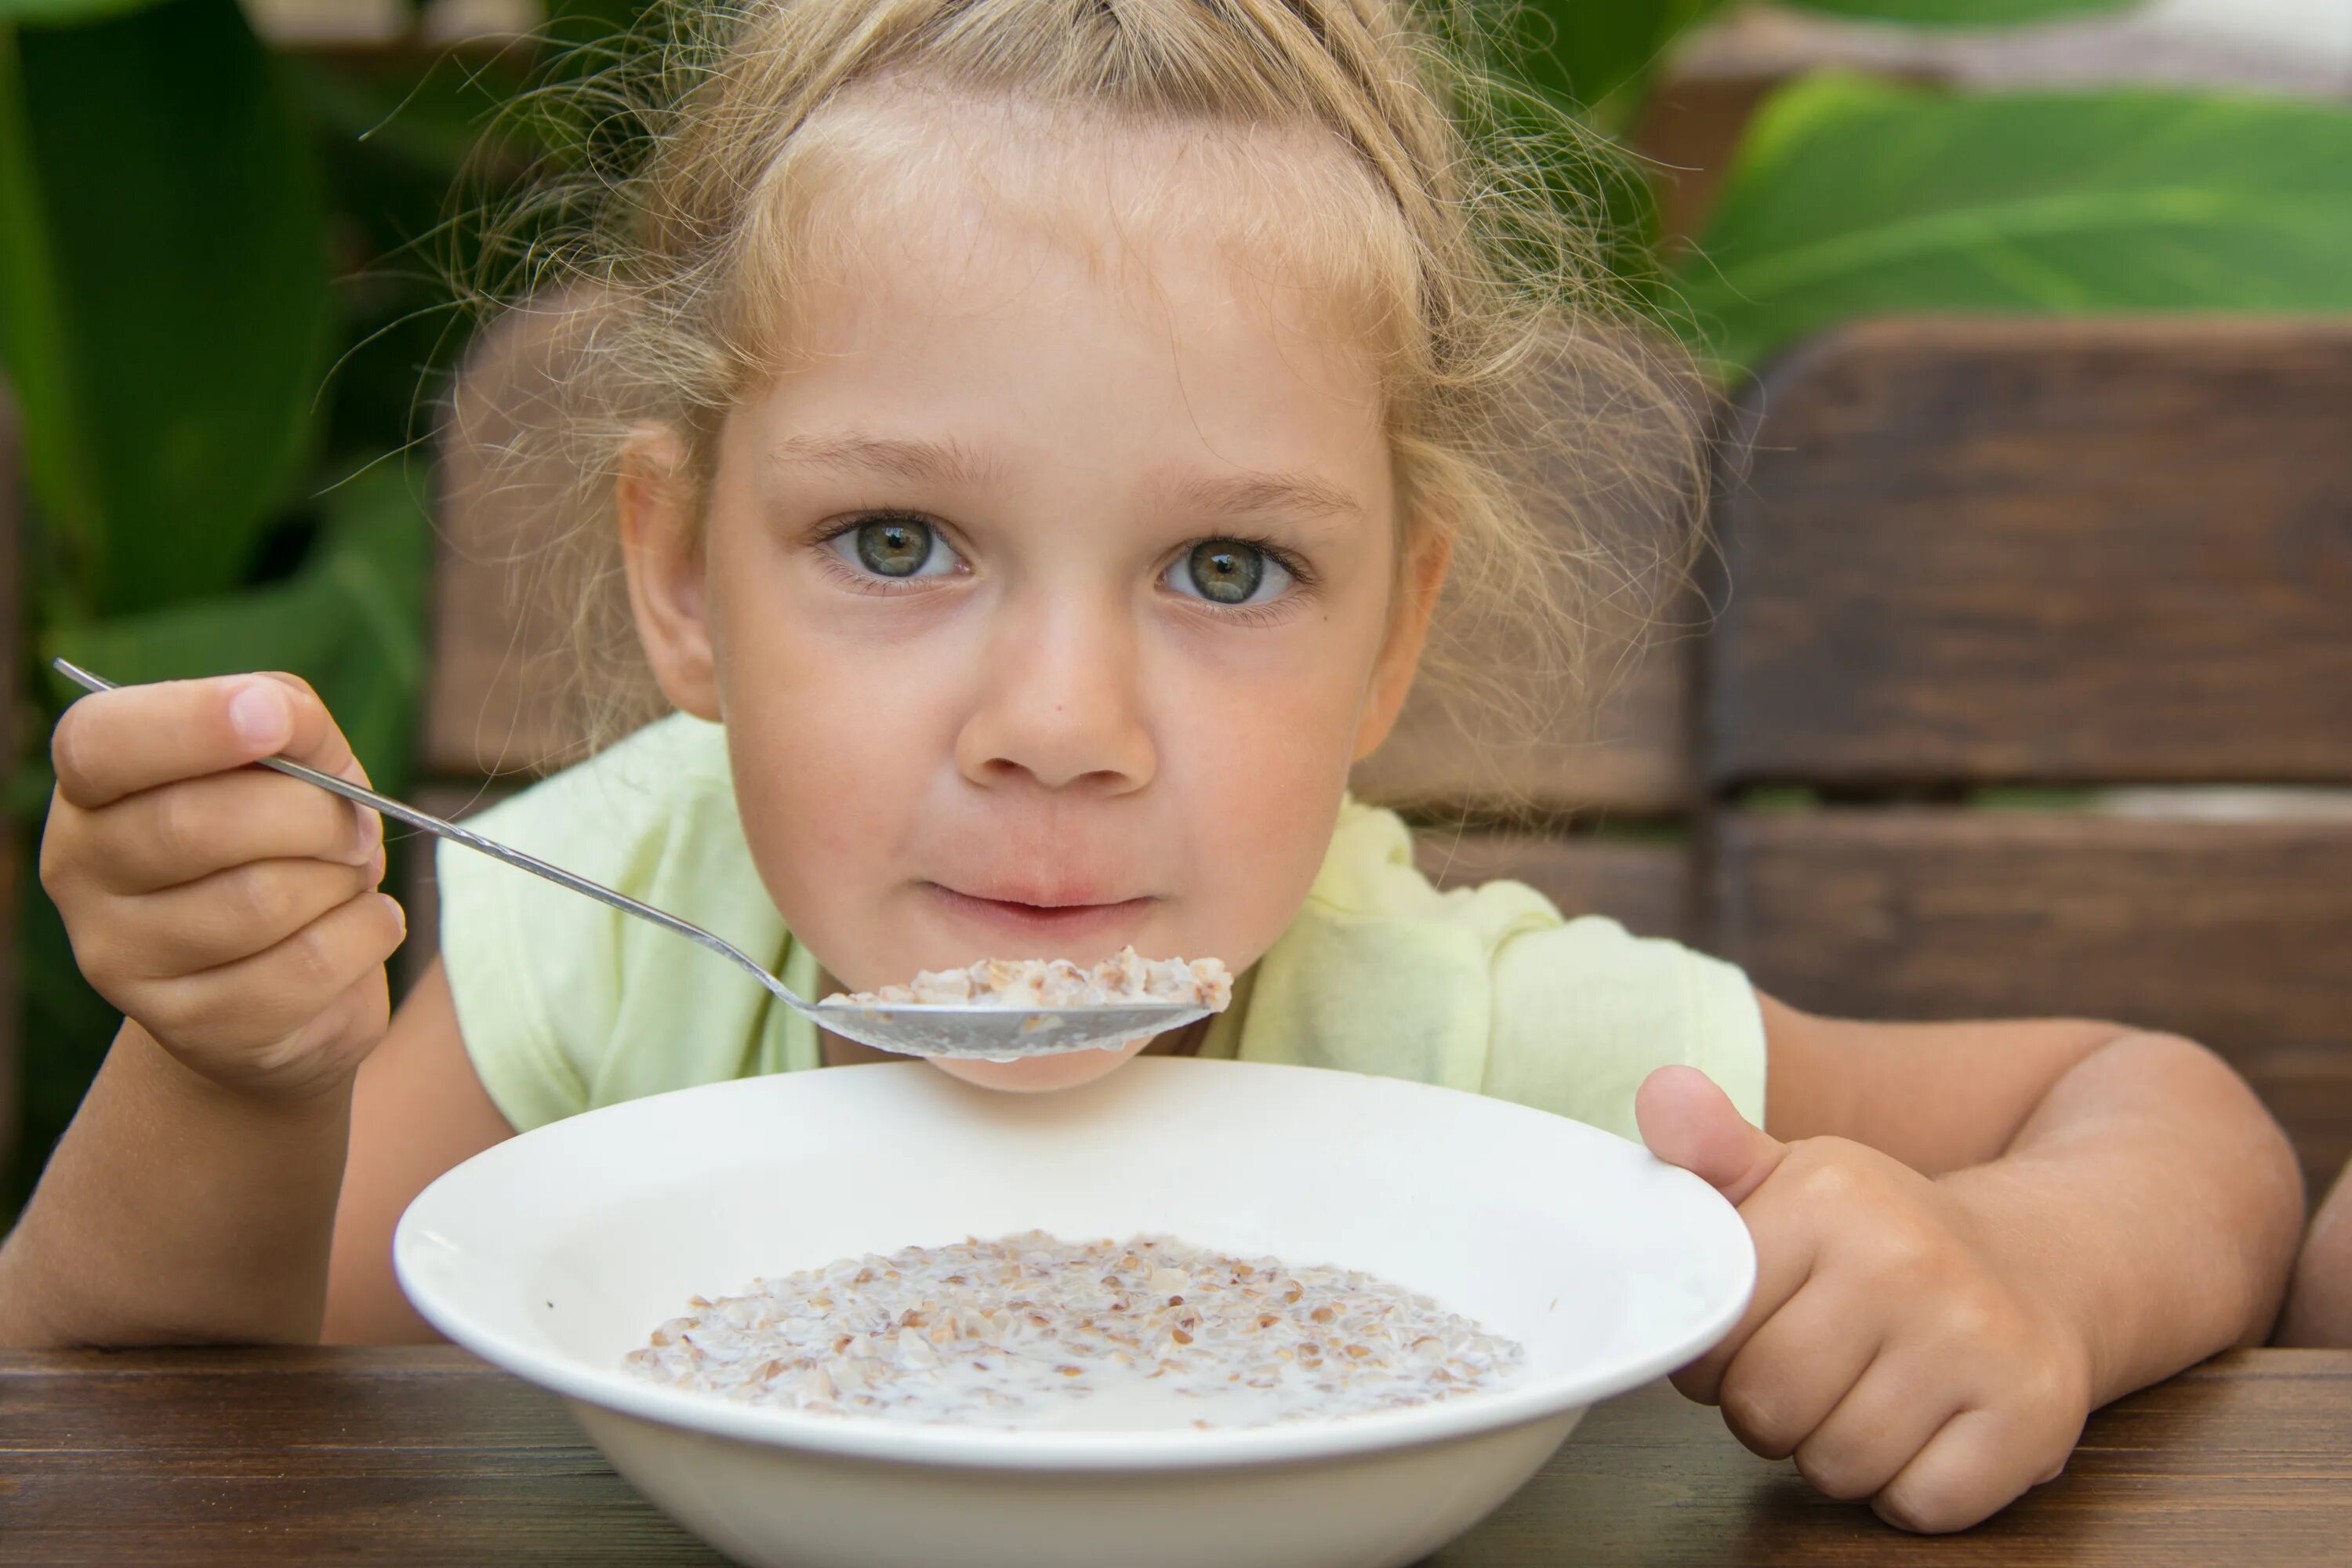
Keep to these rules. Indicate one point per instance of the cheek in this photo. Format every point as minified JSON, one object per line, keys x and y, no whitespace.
{"x":1259,"y":760}
{"x":828,"y":779}
{"x":1036,"y":1075}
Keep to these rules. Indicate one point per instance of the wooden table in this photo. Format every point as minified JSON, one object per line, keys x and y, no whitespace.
{"x":428,"y":1457}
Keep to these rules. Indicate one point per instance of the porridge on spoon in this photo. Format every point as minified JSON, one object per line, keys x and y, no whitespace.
{"x":1124,"y":979}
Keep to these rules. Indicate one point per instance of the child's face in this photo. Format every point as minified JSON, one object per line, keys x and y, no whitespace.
{"x":1046,"y":601}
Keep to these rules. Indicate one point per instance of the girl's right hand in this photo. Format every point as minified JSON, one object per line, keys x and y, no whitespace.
{"x":229,"y":910}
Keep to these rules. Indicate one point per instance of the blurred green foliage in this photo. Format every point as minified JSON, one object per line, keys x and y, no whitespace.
{"x":1854,"y":197}
{"x":1961,"y":12}
{"x":224,"y":308}
{"x":166,"y":318}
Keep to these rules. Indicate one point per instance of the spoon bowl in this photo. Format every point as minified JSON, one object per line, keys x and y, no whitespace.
{"x":999,"y":1034}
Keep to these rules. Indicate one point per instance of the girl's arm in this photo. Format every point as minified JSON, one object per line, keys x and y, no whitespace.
{"x":1970,"y":1234}
{"x":177,"y":1212}
{"x":231,"y":914}
{"x":419,"y":1108}
{"x":2164,"y":1200}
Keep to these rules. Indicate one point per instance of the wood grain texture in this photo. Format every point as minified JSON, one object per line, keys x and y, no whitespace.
{"x":304,"y":1456}
{"x":176,"y":1458}
{"x":2238,"y":934}
{"x":1632,"y":756}
{"x":2243,"y":1460}
{"x":2052,"y":551}
{"x":1647,"y":887}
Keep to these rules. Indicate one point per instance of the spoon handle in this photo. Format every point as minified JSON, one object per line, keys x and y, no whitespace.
{"x":493,"y":849}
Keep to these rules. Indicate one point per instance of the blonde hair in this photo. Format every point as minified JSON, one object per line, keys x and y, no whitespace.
{"x":1532,"y":414}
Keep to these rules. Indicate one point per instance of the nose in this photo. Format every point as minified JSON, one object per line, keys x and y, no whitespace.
{"x":1060,"y":702}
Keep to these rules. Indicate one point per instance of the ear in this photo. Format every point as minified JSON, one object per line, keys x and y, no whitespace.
{"x":1418,"y":586}
{"x":660,"y":517}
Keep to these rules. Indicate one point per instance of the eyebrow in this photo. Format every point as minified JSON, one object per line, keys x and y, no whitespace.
{"x":950,"y":462}
{"x":1296,"y":495}
{"x":955,"y":462}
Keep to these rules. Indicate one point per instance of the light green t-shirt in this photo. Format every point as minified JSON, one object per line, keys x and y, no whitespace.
{"x":566,"y":1005}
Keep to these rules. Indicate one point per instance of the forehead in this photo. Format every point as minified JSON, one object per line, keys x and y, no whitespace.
{"x":949,"y":199}
{"x":1123,"y":308}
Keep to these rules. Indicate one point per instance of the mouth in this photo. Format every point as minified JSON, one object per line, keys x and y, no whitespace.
{"x":1069,"y":921}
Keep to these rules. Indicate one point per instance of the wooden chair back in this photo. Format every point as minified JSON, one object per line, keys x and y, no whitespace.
{"x":1987,"y":584}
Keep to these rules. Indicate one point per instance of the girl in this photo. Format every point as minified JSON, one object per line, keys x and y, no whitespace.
{"x":1038,"y":433}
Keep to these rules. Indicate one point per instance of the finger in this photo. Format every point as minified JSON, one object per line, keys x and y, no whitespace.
{"x":110,"y":744}
{"x":1796,"y":1368}
{"x":1787,"y":1235}
{"x":317,"y":741}
{"x":1885,"y":1421}
{"x":358,"y":1016}
{"x":175,"y":834}
{"x":234,"y":914}
{"x":277,"y":993}
{"x":1686,"y":1120}
{"x":1973,"y":1465}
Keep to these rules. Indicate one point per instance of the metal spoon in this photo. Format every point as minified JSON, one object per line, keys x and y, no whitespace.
{"x":915,"y":1029}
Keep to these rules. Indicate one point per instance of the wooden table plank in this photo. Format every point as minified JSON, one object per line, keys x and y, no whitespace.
{"x":427,"y":1456}
{"x":2248,"y":1459}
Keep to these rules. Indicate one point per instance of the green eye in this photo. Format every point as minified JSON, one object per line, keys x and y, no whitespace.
{"x":896,"y":548}
{"x":1226,"y":570}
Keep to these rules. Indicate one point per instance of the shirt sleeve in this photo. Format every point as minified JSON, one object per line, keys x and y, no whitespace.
{"x":1584,"y":1010}
{"x":1487,"y":989}
{"x":543,"y":978}
{"x":530,"y":965}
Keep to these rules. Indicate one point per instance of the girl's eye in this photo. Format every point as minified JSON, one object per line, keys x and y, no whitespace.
{"x":1229,"y":572}
{"x":896,"y":547}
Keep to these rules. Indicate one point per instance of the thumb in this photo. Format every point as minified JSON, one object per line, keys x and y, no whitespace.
{"x":1686,"y":1120}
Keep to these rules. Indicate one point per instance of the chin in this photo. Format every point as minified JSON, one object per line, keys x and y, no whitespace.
{"x":1036,"y":1075}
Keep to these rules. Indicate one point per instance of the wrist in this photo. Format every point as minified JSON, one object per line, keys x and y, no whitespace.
{"x":2006,"y":1214}
{"x":169,"y":1084}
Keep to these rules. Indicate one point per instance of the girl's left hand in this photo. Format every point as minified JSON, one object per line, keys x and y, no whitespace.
{"x":1890,"y":1346}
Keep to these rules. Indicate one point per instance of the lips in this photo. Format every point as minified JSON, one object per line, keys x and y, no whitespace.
{"x":1034,"y":895}
{"x":1051,"y":913}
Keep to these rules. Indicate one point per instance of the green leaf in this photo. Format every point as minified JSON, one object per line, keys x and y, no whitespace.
{"x":1852,"y":198}
{"x":164,"y":294}
{"x":349,"y":621}
{"x":67,"y":12}
{"x":1598,"y":54}
{"x":1962,"y":13}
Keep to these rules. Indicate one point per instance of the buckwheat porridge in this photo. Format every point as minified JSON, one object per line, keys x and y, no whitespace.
{"x":1034,"y":1332}
{"x":1125,"y":978}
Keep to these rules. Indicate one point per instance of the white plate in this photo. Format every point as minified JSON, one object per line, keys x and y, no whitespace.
{"x":556,"y":1252}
